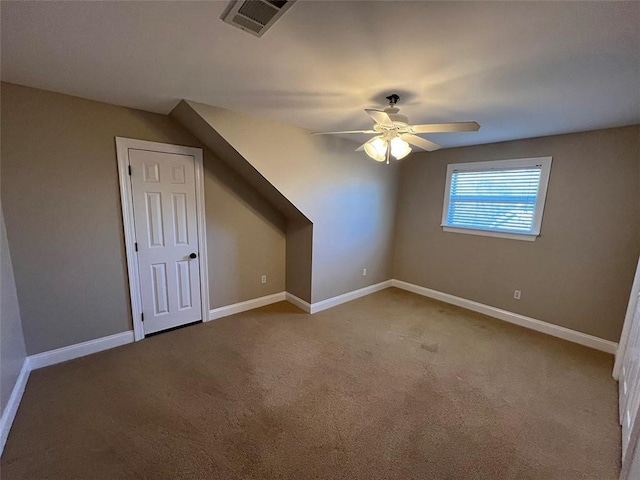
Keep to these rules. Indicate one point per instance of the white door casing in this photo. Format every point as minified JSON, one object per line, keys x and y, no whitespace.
{"x":162,"y":194}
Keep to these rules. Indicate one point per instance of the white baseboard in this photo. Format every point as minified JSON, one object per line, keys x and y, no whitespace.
{"x":11,"y":409}
{"x":347,"y":297}
{"x":527,"y":322}
{"x":248,"y":305}
{"x":79,"y":350}
{"x":298,"y":302}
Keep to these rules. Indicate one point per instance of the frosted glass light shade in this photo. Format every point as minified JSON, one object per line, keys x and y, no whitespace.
{"x":399,"y":148}
{"x":376,"y":148}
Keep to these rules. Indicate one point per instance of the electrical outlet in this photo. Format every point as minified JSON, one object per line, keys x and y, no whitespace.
{"x":264,"y":279}
{"x":364,"y":272}
{"x":517,"y":294}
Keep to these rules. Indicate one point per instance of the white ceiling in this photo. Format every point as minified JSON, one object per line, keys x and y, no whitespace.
{"x":521,"y":69}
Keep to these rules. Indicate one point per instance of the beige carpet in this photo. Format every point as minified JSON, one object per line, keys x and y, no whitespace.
{"x":390,"y":386}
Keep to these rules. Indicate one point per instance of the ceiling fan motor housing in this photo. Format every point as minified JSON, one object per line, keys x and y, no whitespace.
{"x":392,"y":111}
{"x":396,"y":118}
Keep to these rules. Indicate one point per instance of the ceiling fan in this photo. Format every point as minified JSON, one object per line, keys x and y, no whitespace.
{"x":394,"y":133}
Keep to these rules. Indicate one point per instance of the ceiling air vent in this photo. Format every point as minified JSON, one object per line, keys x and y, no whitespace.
{"x":255,"y":16}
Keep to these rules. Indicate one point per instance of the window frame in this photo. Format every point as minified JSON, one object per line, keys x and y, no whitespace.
{"x":545,"y":170}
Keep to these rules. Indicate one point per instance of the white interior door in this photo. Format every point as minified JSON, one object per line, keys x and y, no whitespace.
{"x":163,"y":187}
{"x":630,"y":377}
{"x":630,"y":381}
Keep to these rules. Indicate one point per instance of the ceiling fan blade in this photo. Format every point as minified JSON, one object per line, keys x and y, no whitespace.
{"x":447,"y":127}
{"x":346,"y":131}
{"x":420,"y":142}
{"x":361,"y":147}
{"x":380,"y":117}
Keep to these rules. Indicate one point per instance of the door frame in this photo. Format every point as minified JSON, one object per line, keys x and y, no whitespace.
{"x":123,"y":145}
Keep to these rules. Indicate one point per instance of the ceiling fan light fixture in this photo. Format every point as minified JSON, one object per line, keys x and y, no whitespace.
{"x":394,"y":134}
{"x":376,"y":148}
{"x":399,"y":148}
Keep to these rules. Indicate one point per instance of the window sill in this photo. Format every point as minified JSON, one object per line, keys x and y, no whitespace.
{"x":488,"y":233}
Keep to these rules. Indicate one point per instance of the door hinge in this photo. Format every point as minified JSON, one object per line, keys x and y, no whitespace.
{"x":142,"y":316}
{"x":136,"y":244}
{"x":129,"y":169}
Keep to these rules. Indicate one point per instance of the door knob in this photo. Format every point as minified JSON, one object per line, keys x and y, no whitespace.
{"x":193,"y":255}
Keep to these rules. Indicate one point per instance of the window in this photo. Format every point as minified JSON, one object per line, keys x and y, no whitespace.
{"x":503,"y":198}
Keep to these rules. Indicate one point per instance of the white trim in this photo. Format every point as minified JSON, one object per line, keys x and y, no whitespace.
{"x":527,"y":322}
{"x":334,"y":301}
{"x":490,"y":233}
{"x":70,"y":352}
{"x":202,"y":235}
{"x":298,"y":302}
{"x":247,"y":305}
{"x":628,"y":321}
{"x":126,"y":200}
{"x":347,"y":297}
{"x":10,"y":410}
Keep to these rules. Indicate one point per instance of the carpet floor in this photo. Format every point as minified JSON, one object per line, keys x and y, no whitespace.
{"x":389,"y":386}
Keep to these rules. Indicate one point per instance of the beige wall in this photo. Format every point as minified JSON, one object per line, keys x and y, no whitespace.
{"x":299,"y":259}
{"x":246,"y":239}
{"x":577,"y":274}
{"x":12,"y":349}
{"x":63,"y":217}
{"x":349,"y":198}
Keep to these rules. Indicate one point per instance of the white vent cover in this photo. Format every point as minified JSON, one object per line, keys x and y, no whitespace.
{"x":255,"y":16}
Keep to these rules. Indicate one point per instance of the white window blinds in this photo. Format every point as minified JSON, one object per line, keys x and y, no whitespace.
{"x":504,"y":196}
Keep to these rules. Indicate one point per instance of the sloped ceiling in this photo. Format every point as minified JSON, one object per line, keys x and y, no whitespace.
{"x":521,"y":69}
